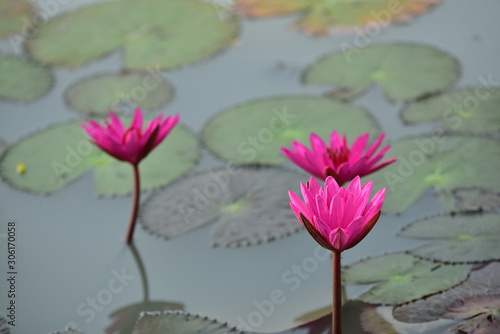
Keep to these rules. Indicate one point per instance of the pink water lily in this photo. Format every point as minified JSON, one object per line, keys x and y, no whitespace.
{"x":339,"y":161}
{"x":130,"y":144}
{"x":337,"y":218}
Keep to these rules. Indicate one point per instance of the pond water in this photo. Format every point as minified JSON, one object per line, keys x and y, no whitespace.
{"x":71,"y":250}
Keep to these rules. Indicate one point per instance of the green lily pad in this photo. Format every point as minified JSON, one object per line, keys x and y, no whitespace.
{"x":248,"y":205}
{"x":481,"y":282}
{"x":321,"y":17}
{"x":181,"y":323}
{"x":482,"y":314}
{"x":119,"y":92}
{"x":403,"y":71}
{"x":441,"y":163}
{"x":62,"y":153}
{"x":253,"y":132}
{"x":459,"y":239}
{"x":163,"y":34}
{"x":402,"y":278}
{"x":22,"y":80}
{"x":473,"y":110}
{"x":126,"y":317}
{"x":13,"y":14}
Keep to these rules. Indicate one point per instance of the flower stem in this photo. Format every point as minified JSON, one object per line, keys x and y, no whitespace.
{"x":135,"y":205}
{"x":336,"y":294}
{"x":142,"y":271}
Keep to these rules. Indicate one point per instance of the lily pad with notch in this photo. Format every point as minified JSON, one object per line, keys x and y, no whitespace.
{"x":165,"y":34}
{"x":481,"y":315}
{"x":62,"y":153}
{"x":403,"y":71}
{"x":23,"y":80}
{"x":471,"y":110}
{"x":402,"y":278}
{"x":254,"y":132}
{"x":457,"y":239}
{"x":322,"y":17}
{"x":442,"y":163}
{"x":181,"y":323}
{"x":483,"y":281}
{"x":249,"y":205}
{"x":123,"y":91}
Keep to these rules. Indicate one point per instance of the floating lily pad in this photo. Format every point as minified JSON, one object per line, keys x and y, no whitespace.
{"x":13,"y":16}
{"x":117,"y":92}
{"x":125,"y":318}
{"x":62,"y":153}
{"x":443,"y":163}
{"x":475,"y":199}
{"x":484,"y":281}
{"x":321,"y":17}
{"x":4,"y":328}
{"x":459,"y":239}
{"x":252,"y":133}
{"x":181,"y":323}
{"x":482,"y":312}
{"x":402,"y":278}
{"x":249,"y":206}
{"x":473,"y":110}
{"x":373,"y":323}
{"x":22,"y":80}
{"x":163,"y":34}
{"x":403,"y":71}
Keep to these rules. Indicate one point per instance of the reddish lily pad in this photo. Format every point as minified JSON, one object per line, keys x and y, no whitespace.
{"x":14,"y":16}
{"x":403,"y":71}
{"x":248,"y":205}
{"x":483,"y":281}
{"x":119,"y":92}
{"x":254,"y":132}
{"x":61,"y":154}
{"x":482,"y":314}
{"x":22,"y":80}
{"x":402,"y":278}
{"x":473,"y":110}
{"x":458,"y":239}
{"x":181,"y":323}
{"x":148,"y":32}
{"x":321,"y":17}
{"x":373,"y":323}
{"x":443,"y":163}
{"x":475,"y":199}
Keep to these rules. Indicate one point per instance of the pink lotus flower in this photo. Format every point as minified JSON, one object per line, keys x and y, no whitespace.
{"x":337,"y":218}
{"x":132,"y":144}
{"x":338,"y":161}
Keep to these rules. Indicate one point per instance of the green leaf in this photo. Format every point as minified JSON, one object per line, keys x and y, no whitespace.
{"x":402,"y":278}
{"x":54,"y":157}
{"x":403,"y":71}
{"x":254,"y":132}
{"x":173,"y":158}
{"x":248,"y":205}
{"x":459,"y":239}
{"x":322,"y":17}
{"x":442,"y":163}
{"x":117,"y":92}
{"x":22,"y":80}
{"x":13,"y":16}
{"x":62,"y":153}
{"x":125,"y":318}
{"x":482,"y":281}
{"x":150,"y":33}
{"x":473,"y":110}
{"x":180,"y":323}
